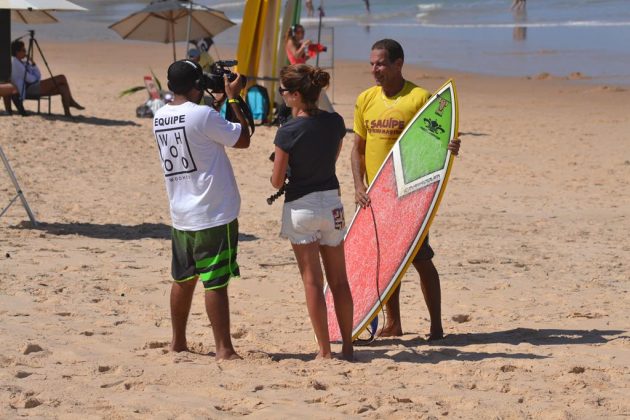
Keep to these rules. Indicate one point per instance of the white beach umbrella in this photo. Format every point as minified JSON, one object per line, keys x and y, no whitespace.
{"x":39,"y":5}
{"x":171,"y":21}
{"x":36,"y":11}
{"x":32,"y":17}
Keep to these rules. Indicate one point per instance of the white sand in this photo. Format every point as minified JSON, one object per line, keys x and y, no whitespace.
{"x":531,"y":243}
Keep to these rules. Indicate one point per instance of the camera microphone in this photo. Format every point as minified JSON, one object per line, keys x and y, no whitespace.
{"x":227,"y":63}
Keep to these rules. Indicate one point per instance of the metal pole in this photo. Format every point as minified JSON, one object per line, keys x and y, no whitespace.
{"x":17,"y":189}
{"x":5,"y":45}
{"x":319,"y":28}
{"x":173,"y":38}
{"x":188,"y":30}
{"x":332,"y":62}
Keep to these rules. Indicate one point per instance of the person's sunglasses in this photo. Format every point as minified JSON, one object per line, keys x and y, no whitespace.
{"x":281,"y":90}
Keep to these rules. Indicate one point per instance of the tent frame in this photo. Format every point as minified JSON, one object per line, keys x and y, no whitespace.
{"x":18,"y":190}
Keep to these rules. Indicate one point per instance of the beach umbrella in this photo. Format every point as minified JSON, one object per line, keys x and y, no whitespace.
{"x":32,"y":17}
{"x":171,"y":21}
{"x":36,"y":11}
{"x":39,"y":5}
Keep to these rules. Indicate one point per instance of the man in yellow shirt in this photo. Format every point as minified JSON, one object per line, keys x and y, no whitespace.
{"x":380,"y":116}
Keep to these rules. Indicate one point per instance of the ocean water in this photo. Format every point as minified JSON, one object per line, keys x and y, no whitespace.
{"x":559,"y":37}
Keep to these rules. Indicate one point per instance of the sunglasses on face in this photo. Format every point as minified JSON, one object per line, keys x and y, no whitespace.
{"x":281,"y":90}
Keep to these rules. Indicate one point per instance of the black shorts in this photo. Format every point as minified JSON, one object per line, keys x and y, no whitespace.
{"x":425,"y":253}
{"x":32,"y":91}
{"x":209,"y":254}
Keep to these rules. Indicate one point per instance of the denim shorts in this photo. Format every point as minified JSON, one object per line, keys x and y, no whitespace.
{"x":317,"y":216}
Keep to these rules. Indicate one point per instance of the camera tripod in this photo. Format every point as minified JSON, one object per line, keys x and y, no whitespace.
{"x":32,"y":44}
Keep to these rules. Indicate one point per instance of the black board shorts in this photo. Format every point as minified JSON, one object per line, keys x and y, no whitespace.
{"x":425,"y":253}
{"x":209,"y":254}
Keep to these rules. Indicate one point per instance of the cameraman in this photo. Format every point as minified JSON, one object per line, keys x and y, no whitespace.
{"x":204,"y":199}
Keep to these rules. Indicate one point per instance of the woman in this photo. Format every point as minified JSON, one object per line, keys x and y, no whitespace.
{"x":27,"y":78}
{"x":296,"y":46}
{"x":312,"y":217}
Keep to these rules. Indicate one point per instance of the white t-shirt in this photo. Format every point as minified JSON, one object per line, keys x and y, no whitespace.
{"x":199,"y":178}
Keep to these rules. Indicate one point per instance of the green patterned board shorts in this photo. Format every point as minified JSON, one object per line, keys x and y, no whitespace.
{"x":209,"y":254}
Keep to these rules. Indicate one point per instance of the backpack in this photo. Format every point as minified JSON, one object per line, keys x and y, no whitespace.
{"x":258,"y":100}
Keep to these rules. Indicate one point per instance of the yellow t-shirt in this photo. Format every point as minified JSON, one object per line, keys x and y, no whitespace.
{"x":205,"y":61}
{"x":380,"y":120}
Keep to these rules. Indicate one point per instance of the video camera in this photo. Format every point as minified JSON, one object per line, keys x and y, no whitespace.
{"x":213,"y":81}
{"x":317,"y":48}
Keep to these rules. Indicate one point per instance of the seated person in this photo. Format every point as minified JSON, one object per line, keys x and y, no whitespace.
{"x":27,"y":78}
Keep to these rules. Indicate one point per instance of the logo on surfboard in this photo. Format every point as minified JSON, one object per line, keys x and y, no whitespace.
{"x":433,"y":127}
{"x":441,"y":105}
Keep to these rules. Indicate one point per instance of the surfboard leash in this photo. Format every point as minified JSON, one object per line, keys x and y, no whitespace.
{"x":361,"y":341}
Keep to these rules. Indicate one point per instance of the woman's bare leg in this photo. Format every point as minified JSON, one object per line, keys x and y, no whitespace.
{"x":308,"y":262}
{"x":337,"y":278}
{"x":59,"y":86}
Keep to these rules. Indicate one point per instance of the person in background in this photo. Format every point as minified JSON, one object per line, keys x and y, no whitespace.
{"x":25,"y":75}
{"x":296,"y":46}
{"x":367,"y":5}
{"x":519,"y":11}
{"x":393,"y":96}
{"x":204,"y":199}
{"x":518,"y":5}
{"x":8,"y":91}
{"x":312,"y":216}
{"x":201,"y":57}
{"x":310,"y":11}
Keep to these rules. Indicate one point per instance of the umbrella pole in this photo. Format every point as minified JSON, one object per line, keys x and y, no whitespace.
{"x":173,"y":38}
{"x":188,"y":30}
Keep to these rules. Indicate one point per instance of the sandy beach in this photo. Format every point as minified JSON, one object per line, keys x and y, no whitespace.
{"x":531,"y":243}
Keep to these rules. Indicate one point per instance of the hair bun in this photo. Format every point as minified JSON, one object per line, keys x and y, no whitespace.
{"x":320,"y":77}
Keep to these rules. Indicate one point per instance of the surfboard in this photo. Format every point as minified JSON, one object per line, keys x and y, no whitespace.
{"x":251,"y":38}
{"x":290,"y":16}
{"x":382,"y":240}
{"x":268,"y":72}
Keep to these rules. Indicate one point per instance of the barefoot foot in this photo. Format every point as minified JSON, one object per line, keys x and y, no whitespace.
{"x":435,"y":336}
{"x":75,"y":104}
{"x":178,"y":348}
{"x":227,"y":355}
{"x":390,"y":331}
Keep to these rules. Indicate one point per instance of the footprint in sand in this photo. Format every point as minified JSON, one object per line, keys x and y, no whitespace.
{"x":32,"y":403}
{"x":31,"y":348}
{"x":239,"y":333}
{"x":103,"y":369}
{"x":155,"y":345}
{"x":461,"y":318}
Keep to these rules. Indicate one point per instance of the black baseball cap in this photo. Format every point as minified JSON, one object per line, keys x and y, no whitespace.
{"x":182,"y":75}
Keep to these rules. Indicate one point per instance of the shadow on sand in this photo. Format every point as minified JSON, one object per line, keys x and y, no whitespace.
{"x":80,"y":119}
{"x":112,"y":230}
{"x":420,"y":350}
